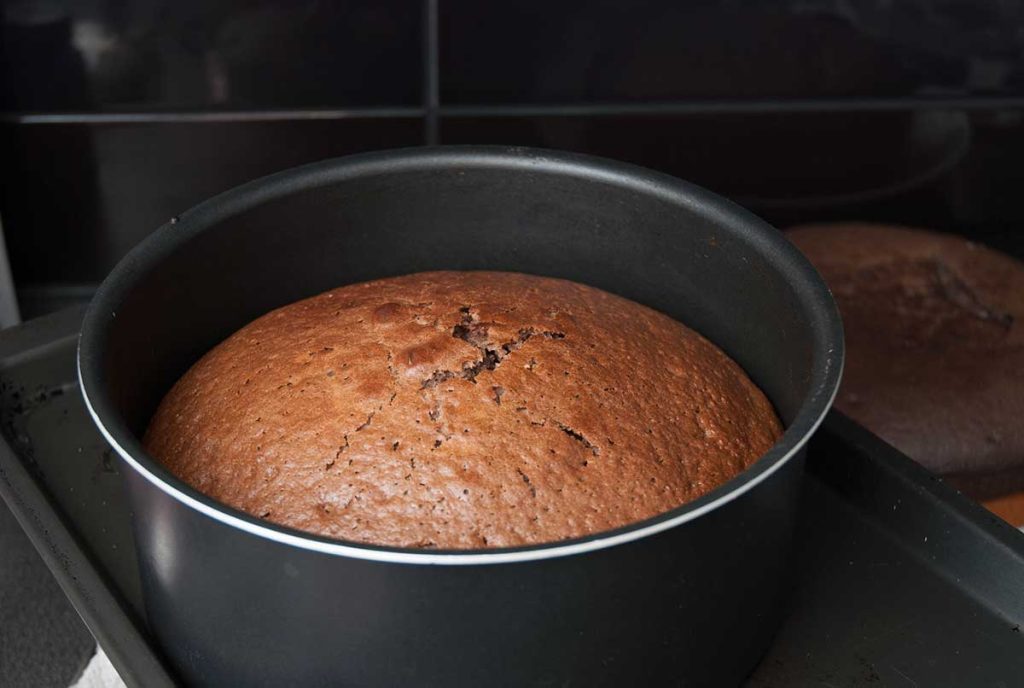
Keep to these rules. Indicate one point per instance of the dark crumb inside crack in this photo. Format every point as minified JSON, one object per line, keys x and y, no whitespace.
{"x":526,"y":479}
{"x":470,"y":330}
{"x":578,"y":436}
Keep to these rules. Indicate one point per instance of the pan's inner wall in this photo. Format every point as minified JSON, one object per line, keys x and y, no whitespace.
{"x":677,"y":255}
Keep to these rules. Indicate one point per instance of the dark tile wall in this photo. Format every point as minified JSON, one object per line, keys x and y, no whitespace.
{"x":818,"y":109}
{"x":600,"y":50}
{"x":77,"y":197}
{"x":185,"y":54}
{"x":175,"y":54}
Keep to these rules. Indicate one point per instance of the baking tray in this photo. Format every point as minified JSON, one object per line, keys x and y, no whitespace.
{"x":898,"y":580}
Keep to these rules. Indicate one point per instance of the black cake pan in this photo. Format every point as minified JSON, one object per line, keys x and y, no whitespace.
{"x":691,"y":597}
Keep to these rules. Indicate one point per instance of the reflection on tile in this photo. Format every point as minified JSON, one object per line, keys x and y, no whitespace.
{"x":662,"y":50}
{"x":76,"y":198}
{"x":774,"y":158}
{"x":174,"y":54}
{"x":931,"y":168}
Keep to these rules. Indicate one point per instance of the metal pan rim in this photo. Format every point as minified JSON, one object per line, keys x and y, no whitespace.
{"x":827,"y":369}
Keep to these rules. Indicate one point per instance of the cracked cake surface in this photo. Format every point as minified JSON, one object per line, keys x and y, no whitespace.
{"x":461,"y":410}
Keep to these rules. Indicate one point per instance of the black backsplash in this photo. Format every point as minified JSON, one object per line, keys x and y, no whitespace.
{"x":194,"y":54}
{"x":656,"y":50}
{"x":117,"y":114}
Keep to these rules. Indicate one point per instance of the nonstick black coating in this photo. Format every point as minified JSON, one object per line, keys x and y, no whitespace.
{"x":688,"y":598}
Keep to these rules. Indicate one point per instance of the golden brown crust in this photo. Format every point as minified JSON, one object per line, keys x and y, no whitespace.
{"x":935,"y":341}
{"x":461,"y":410}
